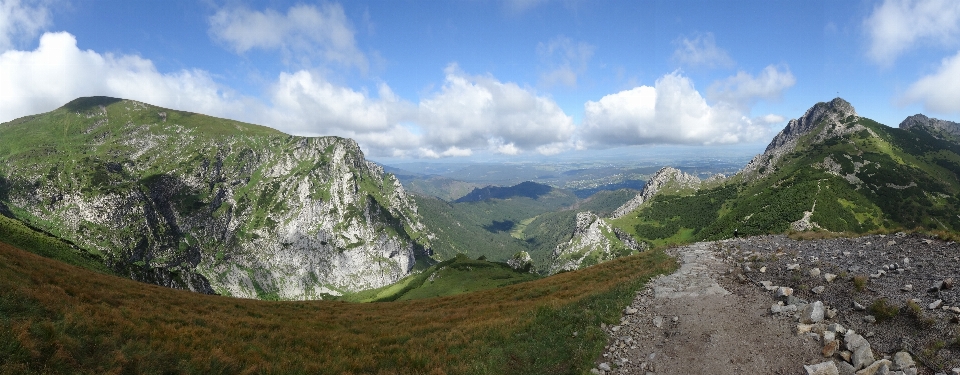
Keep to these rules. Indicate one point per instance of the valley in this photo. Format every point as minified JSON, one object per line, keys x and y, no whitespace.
{"x":421,"y":267}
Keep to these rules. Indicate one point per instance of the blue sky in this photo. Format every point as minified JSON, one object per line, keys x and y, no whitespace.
{"x":510,"y":79}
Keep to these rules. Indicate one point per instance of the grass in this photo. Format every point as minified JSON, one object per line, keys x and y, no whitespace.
{"x":860,"y":282}
{"x":883,"y":310}
{"x":56,"y":318}
{"x":453,"y":276}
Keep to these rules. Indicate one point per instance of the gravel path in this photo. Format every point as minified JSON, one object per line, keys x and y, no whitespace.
{"x":713,"y":315}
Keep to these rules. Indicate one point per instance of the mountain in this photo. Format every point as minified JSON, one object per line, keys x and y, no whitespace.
{"x":527,"y":189}
{"x":830,"y":170}
{"x":211,"y":205}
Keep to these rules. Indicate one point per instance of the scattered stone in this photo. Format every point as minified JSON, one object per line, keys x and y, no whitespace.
{"x":812,"y":313}
{"x":906,"y":261}
{"x":829,"y":336}
{"x":846,"y":368}
{"x":815,"y":272}
{"x":870,"y":319}
{"x":947,"y":284}
{"x":818,"y":289}
{"x":831,"y":313}
{"x":857,"y":306}
{"x":853,"y":341}
{"x":862,"y":357}
{"x":768,"y":286}
{"x":829,"y":277}
{"x":783,"y":292}
{"x":846,"y":355}
{"x":676,"y":319}
{"x":604,"y":366}
{"x":630,"y":310}
{"x":830,"y":348}
{"x":935,"y":304}
{"x":907,"y":288}
{"x":836,"y":327}
{"x":824,"y":368}
{"x":804,"y":328}
{"x":846,"y":253}
{"x":902,"y":360}
{"x":658,"y":321}
{"x":876,"y":368}
{"x":595,"y":371}
{"x":763,"y":269}
{"x":793,"y":267}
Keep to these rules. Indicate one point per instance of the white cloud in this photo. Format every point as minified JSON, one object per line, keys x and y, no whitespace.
{"x":940,"y":91}
{"x":671,"y":112}
{"x":897,"y":25}
{"x":701,"y":51}
{"x":743,"y":90}
{"x":478,"y":111}
{"x":57,"y":72}
{"x":303,"y":31}
{"x":19,"y":21}
{"x":564,"y":59}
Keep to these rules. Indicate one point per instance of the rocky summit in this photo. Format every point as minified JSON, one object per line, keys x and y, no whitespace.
{"x":211,"y":205}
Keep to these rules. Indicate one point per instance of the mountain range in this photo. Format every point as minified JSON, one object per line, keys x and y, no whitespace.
{"x":829,"y":170}
{"x":217,"y":206}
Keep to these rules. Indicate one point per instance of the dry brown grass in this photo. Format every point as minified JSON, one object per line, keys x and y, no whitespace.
{"x":62,"y":319}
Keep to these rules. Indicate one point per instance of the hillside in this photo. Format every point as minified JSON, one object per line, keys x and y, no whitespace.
{"x":55,"y":318}
{"x":829,"y":170}
{"x":211,"y":205}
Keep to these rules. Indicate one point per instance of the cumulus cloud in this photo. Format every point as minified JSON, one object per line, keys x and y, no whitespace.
{"x":744,"y":90}
{"x":57,"y":72}
{"x":670,"y":112}
{"x":940,"y":91}
{"x":564,"y":59}
{"x":482,"y":112}
{"x":305,"y":103}
{"x":20,"y":21}
{"x":701,"y":51}
{"x":305,"y":30}
{"x":468,"y":113}
{"x":896,"y":25}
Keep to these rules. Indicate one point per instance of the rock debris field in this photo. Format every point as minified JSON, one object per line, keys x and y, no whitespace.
{"x":880,"y":304}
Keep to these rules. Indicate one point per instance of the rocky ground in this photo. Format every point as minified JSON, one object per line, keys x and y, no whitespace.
{"x":773,"y":305}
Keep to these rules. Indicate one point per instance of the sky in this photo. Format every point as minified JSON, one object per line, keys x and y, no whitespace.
{"x":492,"y":80}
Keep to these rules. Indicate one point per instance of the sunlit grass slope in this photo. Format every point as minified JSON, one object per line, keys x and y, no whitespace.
{"x":453,"y":276}
{"x":57,"y":318}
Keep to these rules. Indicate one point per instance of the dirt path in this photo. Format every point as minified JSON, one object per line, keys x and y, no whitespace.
{"x":698,"y":320}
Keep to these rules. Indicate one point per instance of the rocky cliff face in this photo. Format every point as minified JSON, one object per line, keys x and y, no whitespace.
{"x":835,"y":114}
{"x":945,"y":130}
{"x":211,"y":205}
{"x":594,"y":241}
{"x":666,"y":178}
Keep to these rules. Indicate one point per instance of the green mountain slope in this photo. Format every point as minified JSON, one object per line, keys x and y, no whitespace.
{"x":829,"y":170}
{"x":211,"y":205}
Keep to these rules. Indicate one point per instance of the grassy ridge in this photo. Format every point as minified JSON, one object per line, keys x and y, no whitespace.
{"x":24,"y":237}
{"x":56,"y":318}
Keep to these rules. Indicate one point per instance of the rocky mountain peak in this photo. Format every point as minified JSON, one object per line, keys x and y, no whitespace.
{"x":835,"y":112}
{"x":836,"y":109}
{"x":663,"y":178}
{"x":935,"y":126}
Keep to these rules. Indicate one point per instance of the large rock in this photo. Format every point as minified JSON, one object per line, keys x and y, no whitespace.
{"x":812,"y":313}
{"x":823,"y":368}
{"x":881,"y":367}
{"x":862,"y":357}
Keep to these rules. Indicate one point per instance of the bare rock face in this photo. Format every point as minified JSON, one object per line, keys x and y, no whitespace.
{"x":169,"y":198}
{"x":665,"y":178}
{"x":591,"y":243}
{"x":935,"y":126}
{"x":834,"y":114}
